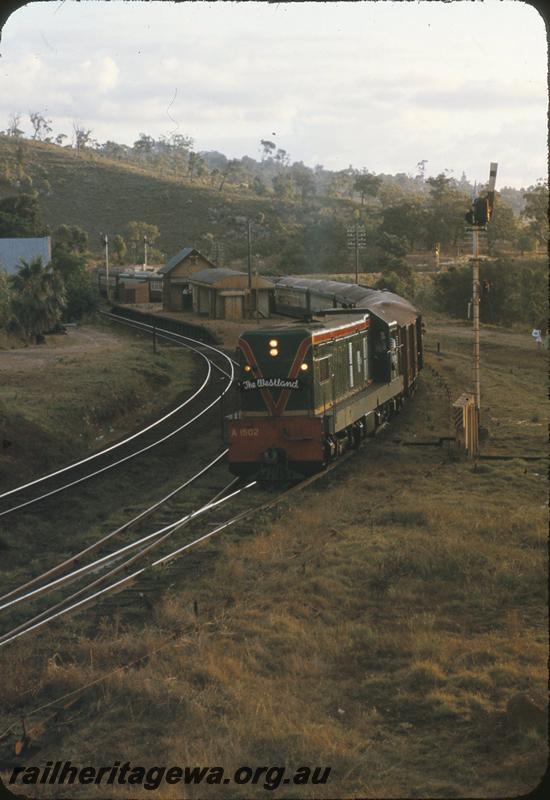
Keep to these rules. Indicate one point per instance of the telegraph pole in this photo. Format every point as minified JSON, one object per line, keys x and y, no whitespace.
{"x":356,"y":256}
{"x":357,"y":240}
{"x":249,"y":260}
{"x":249,"y":252}
{"x":259,"y":220}
{"x":145,"y":243}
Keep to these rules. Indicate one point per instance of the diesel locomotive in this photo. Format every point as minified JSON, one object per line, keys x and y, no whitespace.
{"x":311,"y":388}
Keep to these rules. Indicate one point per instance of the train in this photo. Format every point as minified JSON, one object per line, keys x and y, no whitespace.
{"x":311,"y":387}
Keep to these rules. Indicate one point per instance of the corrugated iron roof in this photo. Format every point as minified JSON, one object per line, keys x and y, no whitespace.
{"x":12,"y":250}
{"x":213,"y":275}
{"x":223,"y":277}
{"x":175,"y":260}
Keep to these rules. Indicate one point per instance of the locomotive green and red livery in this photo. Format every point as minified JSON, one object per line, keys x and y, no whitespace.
{"x":309,"y":389}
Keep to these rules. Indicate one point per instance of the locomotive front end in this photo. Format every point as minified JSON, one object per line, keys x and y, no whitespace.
{"x":274,"y":434}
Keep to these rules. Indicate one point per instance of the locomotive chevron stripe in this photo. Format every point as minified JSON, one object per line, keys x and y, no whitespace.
{"x":266,"y":394}
{"x":277,"y":407}
{"x":304,"y":346}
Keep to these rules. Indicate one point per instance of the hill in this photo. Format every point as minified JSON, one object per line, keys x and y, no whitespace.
{"x":101,"y":194}
{"x":300,"y":216}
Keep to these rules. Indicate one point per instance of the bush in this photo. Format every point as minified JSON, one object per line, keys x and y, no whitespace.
{"x":81,"y":298}
{"x":516,"y":292}
{"x":403,"y":285}
{"x":5,"y":309}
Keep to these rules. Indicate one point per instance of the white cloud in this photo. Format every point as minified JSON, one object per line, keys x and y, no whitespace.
{"x":374,"y":84}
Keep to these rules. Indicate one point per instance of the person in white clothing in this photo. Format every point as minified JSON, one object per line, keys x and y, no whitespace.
{"x":536,"y":334}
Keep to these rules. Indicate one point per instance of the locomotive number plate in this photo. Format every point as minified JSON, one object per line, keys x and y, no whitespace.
{"x":249,"y":431}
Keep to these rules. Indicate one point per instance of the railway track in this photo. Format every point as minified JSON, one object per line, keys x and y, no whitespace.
{"x":192,"y":409}
{"x":101,"y":577}
{"x":56,"y":580}
{"x":171,"y":513}
{"x":48,"y":579}
{"x":142,"y":587}
{"x":67,"y":586}
{"x":152,"y":546}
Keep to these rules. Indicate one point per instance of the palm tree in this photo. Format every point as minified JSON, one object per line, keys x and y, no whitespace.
{"x":38,"y":297}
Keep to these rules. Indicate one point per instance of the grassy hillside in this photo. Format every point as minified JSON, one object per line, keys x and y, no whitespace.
{"x":389,"y":622}
{"x":100,"y":194}
{"x":45,"y":421}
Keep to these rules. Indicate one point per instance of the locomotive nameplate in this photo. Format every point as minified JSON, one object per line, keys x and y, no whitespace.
{"x":271,"y":383}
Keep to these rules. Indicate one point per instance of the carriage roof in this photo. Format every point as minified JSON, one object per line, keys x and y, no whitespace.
{"x":389,"y":307}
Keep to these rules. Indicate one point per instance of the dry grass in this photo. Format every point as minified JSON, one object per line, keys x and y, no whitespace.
{"x":52,"y":409}
{"x":381,"y":623}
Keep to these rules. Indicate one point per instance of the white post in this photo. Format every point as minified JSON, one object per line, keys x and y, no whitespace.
{"x":107,"y":266}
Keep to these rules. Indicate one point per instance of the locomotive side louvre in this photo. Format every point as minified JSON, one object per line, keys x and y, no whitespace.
{"x":339,"y":370}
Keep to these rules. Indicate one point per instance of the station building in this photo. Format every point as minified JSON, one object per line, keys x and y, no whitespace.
{"x":222,"y":293}
{"x":176,"y":287}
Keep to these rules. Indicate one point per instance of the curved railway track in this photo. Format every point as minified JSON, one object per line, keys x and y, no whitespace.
{"x":6,"y":599}
{"x":195,"y":405}
{"x":70,"y":570}
{"x":157,"y":549}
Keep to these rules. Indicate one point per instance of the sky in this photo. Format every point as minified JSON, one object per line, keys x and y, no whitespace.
{"x":378,"y":85}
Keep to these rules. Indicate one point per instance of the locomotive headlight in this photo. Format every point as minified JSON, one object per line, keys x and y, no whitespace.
{"x":273,"y":343}
{"x":304,"y":367}
{"x":247,"y":368}
{"x":273,"y":352}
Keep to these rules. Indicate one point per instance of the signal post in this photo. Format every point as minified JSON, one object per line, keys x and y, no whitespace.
{"x":478,"y":217}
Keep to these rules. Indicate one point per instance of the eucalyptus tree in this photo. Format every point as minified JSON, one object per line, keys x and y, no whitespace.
{"x":535,"y":212}
{"x":20,"y":215}
{"x":13,"y":128}
{"x":367,"y":184}
{"x":40,"y":125}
